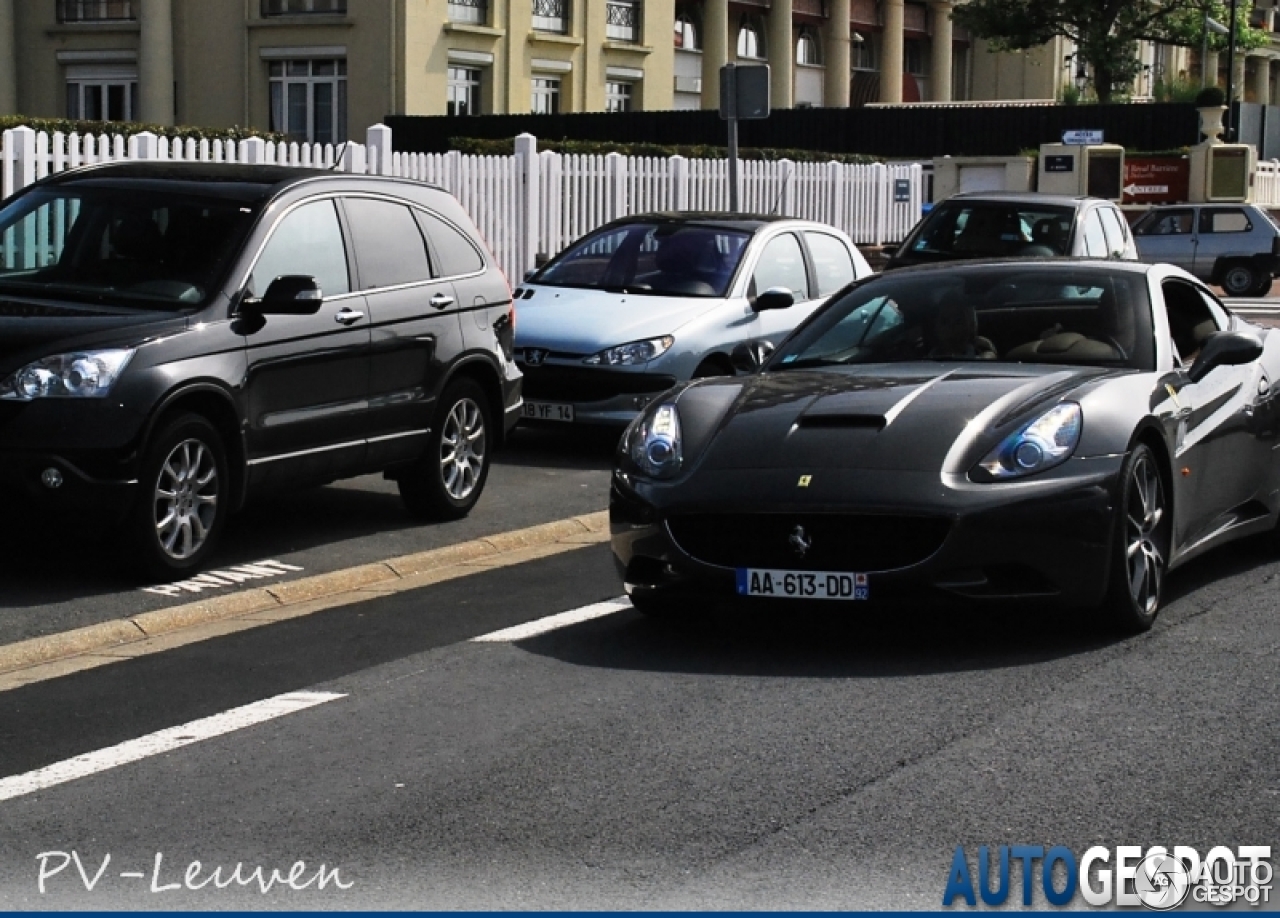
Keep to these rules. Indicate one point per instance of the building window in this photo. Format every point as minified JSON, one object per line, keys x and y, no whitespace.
{"x":102,"y":93}
{"x":473,"y":11}
{"x":807,"y":49}
{"x":302,"y":7}
{"x":464,"y":91}
{"x":862,"y":52}
{"x":622,"y":20}
{"x":913,"y":56}
{"x":686,"y":30}
{"x":750,"y":41}
{"x":95,"y":10}
{"x":551,"y":16}
{"x":309,"y":100}
{"x":617,"y":97}
{"x":546,"y":96}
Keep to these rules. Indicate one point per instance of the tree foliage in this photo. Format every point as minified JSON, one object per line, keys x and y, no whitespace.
{"x":1105,"y":32}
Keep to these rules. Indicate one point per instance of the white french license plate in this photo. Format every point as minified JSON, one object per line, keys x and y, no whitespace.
{"x":548,"y":411}
{"x":801,"y":584}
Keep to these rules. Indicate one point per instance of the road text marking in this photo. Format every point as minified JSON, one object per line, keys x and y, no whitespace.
{"x":160,"y":742}
{"x":552,"y":622}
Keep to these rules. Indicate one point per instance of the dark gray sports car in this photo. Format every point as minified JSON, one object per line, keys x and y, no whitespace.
{"x":1048,"y":429}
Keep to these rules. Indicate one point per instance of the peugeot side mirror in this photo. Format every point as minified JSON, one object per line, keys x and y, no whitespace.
{"x":749,"y":357}
{"x":1224,"y":349}
{"x":291,"y":295}
{"x":773,"y":298}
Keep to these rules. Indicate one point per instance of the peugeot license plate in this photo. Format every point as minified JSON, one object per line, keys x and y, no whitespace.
{"x":801,"y":584}
{"x":548,"y":411}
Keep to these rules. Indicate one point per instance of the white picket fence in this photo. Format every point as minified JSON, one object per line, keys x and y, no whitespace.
{"x":531,"y":204}
{"x":1266,"y":183}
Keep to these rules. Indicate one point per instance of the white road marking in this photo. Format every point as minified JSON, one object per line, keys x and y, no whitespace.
{"x":560,"y":620}
{"x":160,"y":742}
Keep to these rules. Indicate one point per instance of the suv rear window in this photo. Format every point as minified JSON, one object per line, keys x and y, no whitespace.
{"x":981,"y":229}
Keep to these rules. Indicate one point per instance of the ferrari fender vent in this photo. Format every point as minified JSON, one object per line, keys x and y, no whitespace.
{"x":862,"y":543}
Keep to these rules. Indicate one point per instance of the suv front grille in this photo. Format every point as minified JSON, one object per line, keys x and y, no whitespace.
{"x":858,"y":543}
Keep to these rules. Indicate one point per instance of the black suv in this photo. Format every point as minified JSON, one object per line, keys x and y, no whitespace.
{"x":175,"y":337}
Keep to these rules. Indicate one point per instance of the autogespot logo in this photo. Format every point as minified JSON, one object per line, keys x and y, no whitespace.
{"x":1157,"y":878}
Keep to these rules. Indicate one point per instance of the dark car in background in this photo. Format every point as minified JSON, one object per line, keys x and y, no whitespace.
{"x":1236,"y":246}
{"x":1016,"y":225}
{"x":1045,"y":431}
{"x":175,"y":337}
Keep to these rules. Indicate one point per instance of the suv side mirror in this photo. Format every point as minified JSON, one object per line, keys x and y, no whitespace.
{"x":773,"y":298}
{"x":747,"y":358}
{"x":1224,"y":349}
{"x":291,"y":295}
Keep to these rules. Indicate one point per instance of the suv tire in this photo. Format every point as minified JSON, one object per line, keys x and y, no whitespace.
{"x":446,"y":483}
{"x":184,"y":499}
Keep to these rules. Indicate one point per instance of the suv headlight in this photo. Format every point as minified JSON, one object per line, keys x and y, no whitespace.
{"x":625,"y":355}
{"x":86,"y":374}
{"x":653,"y":443}
{"x":1047,"y":441}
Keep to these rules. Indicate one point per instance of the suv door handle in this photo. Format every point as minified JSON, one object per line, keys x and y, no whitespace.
{"x":440,"y":301}
{"x":347,"y":316}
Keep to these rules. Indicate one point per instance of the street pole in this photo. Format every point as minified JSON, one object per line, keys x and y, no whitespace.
{"x":730,"y":73}
{"x":1229,"y":128}
{"x":1204,"y":52}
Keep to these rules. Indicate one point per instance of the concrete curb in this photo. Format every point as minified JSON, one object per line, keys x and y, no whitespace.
{"x":366,"y":581}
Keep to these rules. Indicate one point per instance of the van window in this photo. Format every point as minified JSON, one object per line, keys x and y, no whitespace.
{"x":456,"y":255}
{"x":389,"y":248}
{"x":307,"y":241}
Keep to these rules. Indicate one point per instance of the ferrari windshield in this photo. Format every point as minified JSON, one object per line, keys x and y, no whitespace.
{"x":660,"y":259}
{"x":119,"y":246}
{"x":1074,"y":314}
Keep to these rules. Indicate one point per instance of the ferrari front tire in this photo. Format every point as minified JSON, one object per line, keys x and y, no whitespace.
{"x":1140,"y":552}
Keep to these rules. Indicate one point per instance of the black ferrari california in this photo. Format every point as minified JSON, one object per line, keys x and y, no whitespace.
{"x":1056,"y":430}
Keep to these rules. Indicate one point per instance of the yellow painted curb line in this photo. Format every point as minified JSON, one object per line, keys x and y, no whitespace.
{"x":106,"y":641}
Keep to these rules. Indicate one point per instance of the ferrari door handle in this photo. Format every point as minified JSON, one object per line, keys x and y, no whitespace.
{"x":347,"y":316}
{"x":440,"y":301}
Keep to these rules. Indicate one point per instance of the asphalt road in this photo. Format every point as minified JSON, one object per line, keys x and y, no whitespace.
{"x":53,"y":578}
{"x":808,"y":759}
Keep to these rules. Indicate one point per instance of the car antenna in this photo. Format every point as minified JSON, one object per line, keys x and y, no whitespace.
{"x":778,"y":201}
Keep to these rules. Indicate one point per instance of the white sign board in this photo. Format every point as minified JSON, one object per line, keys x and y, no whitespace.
{"x":1082,"y":138}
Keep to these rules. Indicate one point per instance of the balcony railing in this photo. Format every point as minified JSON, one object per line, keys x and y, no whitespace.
{"x":475,"y":12}
{"x":551,"y":15}
{"x":622,"y":20}
{"x":96,"y":11}
{"x":302,"y":7}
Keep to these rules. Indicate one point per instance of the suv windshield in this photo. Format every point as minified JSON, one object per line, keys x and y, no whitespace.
{"x":119,"y":246}
{"x":985,"y":229}
{"x":659,"y":259}
{"x":1076,"y":316}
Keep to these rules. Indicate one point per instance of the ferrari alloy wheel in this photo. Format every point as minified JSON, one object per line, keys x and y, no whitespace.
{"x":1142,"y":548}
{"x":447,"y":482}
{"x":180,"y":513}
{"x":1241,"y":279}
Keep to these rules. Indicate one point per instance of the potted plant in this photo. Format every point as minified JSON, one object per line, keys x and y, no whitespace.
{"x":1211,"y":103}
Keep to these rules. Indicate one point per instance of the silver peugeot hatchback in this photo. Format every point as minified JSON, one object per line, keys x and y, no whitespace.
{"x":651,"y":300}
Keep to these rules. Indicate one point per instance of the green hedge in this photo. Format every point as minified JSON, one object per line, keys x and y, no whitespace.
{"x":473,"y":145}
{"x":129,"y":128}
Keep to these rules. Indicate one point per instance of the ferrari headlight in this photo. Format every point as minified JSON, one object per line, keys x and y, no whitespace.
{"x":653,"y":442}
{"x":1047,"y":441}
{"x":625,"y":355}
{"x":87,"y":374}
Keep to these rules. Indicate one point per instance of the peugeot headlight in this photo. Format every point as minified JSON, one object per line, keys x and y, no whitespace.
{"x":653,"y":442}
{"x":625,"y":355}
{"x":87,"y":374}
{"x":1047,"y":441}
